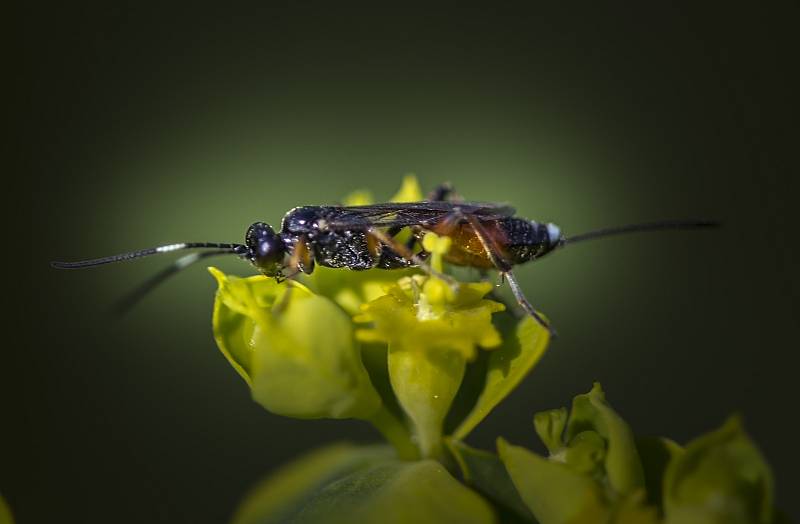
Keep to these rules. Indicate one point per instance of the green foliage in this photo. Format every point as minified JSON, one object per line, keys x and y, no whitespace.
{"x":5,"y":512}
{"x":285,"y":492}
{"x":597,"y":471}
{"x":392,"y":348}
{"x":596,"y":432}
{"x":431,"y":334}
{"x":484,"y":471}
{"x":552,"y":491}
{"x":345,"y":483}
{"x":295,"y":367}
{"x":508,"y":365}
{"x":720,"y":477}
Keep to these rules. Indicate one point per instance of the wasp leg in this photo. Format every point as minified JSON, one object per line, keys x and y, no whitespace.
{"x":441,"y":192}
{"x":523,"y":301}
{"x":517,"y":312}
{"x":504,"y":267}
{"x":302,"y":260}
{"x":444,"y":193}
{"x":283,"y":302}
{"x":409,"y":255}
{"x":494,"y":295}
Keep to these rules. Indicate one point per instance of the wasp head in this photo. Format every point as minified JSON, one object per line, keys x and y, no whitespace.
{"x":265,"y":249}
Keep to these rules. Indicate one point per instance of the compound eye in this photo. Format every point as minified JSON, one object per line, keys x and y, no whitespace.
{"x":268,"y":247}
{"x":256,"y":232}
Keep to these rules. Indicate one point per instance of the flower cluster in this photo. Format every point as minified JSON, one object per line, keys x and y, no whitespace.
{"x":393,"y":348}
{"x":316,"y":350}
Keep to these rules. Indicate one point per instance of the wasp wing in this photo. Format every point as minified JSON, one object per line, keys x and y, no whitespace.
{"x":405,"y":214}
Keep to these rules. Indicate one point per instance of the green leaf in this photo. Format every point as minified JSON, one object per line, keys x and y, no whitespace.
{"x":484,"y":471}
{"x":549,"y":425}
{"x":720,"y":477}
{"x":345,"y":484}
{"x":554,"y":493}
{"x":284,"y":492}
{"x":508,"y":365}
{"x":623,"y":467}
{"x":630,"y":510}
{"x":592,"y":511}
{"x":633,"y":510}
{"x":397,"y":492}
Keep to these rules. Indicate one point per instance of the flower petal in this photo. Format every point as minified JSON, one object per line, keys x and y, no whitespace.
{"x":295,"y":349}
{"x":409,"y":190}
{"x":238,"y":302}
{"x":414,"y":313}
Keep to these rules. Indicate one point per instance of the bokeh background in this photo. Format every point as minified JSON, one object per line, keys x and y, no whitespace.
{"x":146,"y":126}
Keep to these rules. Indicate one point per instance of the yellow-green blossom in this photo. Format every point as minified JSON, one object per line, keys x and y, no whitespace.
{"x":432,"y":331}
{"x":294,"y":348}
{"x":299,"y":347}
{"x":377,"y":345}
{"x":424,"y":314}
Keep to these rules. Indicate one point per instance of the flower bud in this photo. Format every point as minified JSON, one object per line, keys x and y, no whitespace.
{"x":295,"y":349}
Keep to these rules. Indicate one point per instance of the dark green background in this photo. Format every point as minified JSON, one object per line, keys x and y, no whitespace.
{"x":174,"y":124}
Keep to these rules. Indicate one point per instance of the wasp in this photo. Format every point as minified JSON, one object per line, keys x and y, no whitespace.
{"x":484,"y":235}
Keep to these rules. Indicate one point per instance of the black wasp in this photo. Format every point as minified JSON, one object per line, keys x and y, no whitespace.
{"x":484,"y":236}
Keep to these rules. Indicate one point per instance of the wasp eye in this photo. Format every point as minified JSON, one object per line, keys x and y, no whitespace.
{"x":265,"y":248}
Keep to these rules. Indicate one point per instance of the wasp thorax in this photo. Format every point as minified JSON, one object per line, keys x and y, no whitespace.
{"x":302,"y":220}
{"x":265,"y":249}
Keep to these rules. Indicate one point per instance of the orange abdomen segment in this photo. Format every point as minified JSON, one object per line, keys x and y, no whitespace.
{"x":467,"y":249}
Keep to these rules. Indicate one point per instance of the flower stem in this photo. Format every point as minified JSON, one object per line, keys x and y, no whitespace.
{"x":425,"y":383}
{"x":395,"y":432}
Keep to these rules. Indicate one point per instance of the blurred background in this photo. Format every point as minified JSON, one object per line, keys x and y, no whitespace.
{"x":171,"y":124}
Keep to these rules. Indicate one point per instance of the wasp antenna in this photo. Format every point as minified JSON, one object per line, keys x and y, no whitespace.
{"x":640,"y":228}
{"x":221,"y":248}
{"x":133,"y":298}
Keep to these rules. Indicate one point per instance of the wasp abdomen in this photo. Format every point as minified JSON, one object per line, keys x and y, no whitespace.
{"x":526,"y":239}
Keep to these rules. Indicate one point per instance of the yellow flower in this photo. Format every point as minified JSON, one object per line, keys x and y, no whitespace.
{"x":323,"y":350}
{"x":295,"y":349}
{"x":423,"y":313}
{"x":432,"y":330}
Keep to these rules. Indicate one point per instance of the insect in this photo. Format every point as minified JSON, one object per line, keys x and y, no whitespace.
{"x":484,"y":236}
